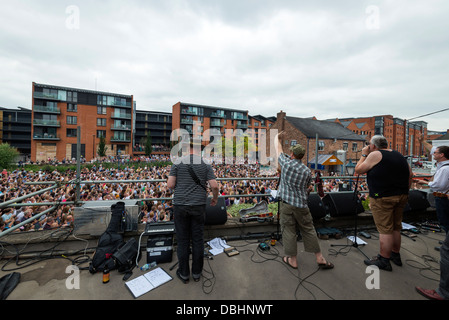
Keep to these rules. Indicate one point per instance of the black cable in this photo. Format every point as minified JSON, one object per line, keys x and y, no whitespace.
{"x":267,"y":255}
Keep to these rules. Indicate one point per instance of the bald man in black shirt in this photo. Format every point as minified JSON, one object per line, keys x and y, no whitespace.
{"x":389,"y":179}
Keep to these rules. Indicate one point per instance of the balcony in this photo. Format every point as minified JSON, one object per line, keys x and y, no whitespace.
{"x":192,"y":111}
{"x":239,"y":116}
{"x":216,"y":123}
{"x":121,"y":104}
{"x":47,"y":109}
{"x":217,"y":114}
{"x":187,"y":121}
{"x":121,"y":115}
{"x":242,"y":125}
{"x":47,"y":96}
{"x":121,"y":127}
{"x":46,"y":123}
{"x":46,"y":136}
{"x":121,"y":139}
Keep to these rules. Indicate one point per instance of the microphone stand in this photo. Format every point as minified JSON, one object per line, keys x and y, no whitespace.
{"x":278,"y":199}
{"x":356,"y":200}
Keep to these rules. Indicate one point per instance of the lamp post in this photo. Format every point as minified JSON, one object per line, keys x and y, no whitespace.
{"x":350,"y":169}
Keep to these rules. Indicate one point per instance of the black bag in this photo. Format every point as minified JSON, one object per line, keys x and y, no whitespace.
{"x":108,"y":244}
{"x":8,"y":283}
{"x":125,"y":257}
{"x":110,"y":240}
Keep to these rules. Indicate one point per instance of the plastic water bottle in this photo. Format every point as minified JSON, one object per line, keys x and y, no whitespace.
{"x":148,"y":266}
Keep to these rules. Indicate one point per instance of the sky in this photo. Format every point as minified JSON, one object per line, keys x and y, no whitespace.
{"x":328,"y":59}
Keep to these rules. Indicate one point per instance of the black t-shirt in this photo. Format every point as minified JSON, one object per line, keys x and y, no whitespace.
{"x":390,"y":177}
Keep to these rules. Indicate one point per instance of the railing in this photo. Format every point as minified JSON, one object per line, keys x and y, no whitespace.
{"x":14,"y":202}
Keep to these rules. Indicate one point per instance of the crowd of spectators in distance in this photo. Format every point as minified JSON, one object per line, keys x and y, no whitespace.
{"x":14,"y":186}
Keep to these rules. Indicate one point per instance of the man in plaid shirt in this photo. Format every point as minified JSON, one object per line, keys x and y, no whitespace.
{"x":294,"y":188}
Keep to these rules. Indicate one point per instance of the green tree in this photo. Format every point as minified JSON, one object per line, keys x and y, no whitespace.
{"x":102,"y":148}
{"x":148,"y":144}
{"x":8,"y":155}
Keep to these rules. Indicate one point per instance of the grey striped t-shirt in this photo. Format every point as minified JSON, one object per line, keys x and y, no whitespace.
{"x":187,"y":191}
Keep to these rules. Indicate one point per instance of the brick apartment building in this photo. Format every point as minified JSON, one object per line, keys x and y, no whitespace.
{"x":402,"y":135}
{"x":186,"y":116}
{"x":332,"y":137}
{"x":57,"y":112}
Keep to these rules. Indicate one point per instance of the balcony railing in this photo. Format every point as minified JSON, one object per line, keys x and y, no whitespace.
{"x":187,"y":121}
{"x":121,"y":115}
{"x":46,"y":136}
{"x":121,"y":127}
{"x":217,"y":114}
{"x":49,"y":123}
{"x":120,"y":139}
{"x":216,"y":123}
{"x":41,"y":95}
{"x":46,"y":109}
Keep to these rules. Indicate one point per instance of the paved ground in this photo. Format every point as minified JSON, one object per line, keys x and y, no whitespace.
{"x":253,"y":275}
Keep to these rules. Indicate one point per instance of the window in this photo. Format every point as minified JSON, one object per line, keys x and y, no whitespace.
{"x":101,"y":110}
{"x":72,"y":107}
{"x":101,"y":133}
{"x":71,"y":120}
{"x":345,"y":146}
{"x":71,"y":132}
{"x":293,"y":143}
{"x":101,"y":122}
{"x":354,"y":147}
{"x":72,"y":96}
{"x":320,"y":145}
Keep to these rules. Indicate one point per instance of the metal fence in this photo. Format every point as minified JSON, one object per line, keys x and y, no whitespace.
{"x":77,"y":202}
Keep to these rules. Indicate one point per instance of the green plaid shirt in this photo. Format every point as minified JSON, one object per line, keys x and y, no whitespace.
{"x":295,"y":180}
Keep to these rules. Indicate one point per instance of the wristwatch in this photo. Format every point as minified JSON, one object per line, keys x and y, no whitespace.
{"x":364,"y":155}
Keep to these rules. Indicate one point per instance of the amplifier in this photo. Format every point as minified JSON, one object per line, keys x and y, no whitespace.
{"x":160,"y":248}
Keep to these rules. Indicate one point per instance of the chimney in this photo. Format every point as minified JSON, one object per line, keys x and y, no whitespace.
{"x":281,"y":118}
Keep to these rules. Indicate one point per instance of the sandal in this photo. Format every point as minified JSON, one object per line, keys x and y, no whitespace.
{"x":327,"y":265}
{"x":285,"y":260}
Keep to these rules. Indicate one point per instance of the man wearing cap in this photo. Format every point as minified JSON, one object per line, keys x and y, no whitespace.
{"x":294,"y":188}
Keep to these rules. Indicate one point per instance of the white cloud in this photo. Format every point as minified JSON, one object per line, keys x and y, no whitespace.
{"x":307,"y":58}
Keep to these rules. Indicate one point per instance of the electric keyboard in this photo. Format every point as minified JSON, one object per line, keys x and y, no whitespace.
{"x":158,"y":228}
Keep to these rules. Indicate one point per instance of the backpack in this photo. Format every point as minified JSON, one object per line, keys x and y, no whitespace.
{"x":125,"y":257}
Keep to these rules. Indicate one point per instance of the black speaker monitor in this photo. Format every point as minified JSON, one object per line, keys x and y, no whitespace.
{"x":216,"y":215}
{"x":417,"y":201}
{"x":316,"y":206}
{"x":343,"y":204}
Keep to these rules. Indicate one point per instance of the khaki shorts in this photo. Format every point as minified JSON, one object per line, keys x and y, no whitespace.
{"x":387,"y":212}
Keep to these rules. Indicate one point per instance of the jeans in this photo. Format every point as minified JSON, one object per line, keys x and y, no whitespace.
{"x":442,"y":209}
{"x":189,"y":226}
{"x":443,"y":289}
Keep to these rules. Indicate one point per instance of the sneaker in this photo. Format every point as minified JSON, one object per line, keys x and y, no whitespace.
{"x":396,"y":258}
{"x":380,"y":262}
{"x":184,"y":280}
{"x":196,"y":277}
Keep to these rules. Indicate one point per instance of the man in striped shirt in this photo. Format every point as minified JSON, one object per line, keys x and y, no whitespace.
{"x":189,"y":209}
{"x":294,"y":188}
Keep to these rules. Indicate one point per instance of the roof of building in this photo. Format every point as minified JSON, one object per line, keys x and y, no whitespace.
{"x":324,"y":129}
{"x":443,"y":137}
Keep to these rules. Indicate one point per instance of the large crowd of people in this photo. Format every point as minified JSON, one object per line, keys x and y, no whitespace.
{"x":18,"y":183}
